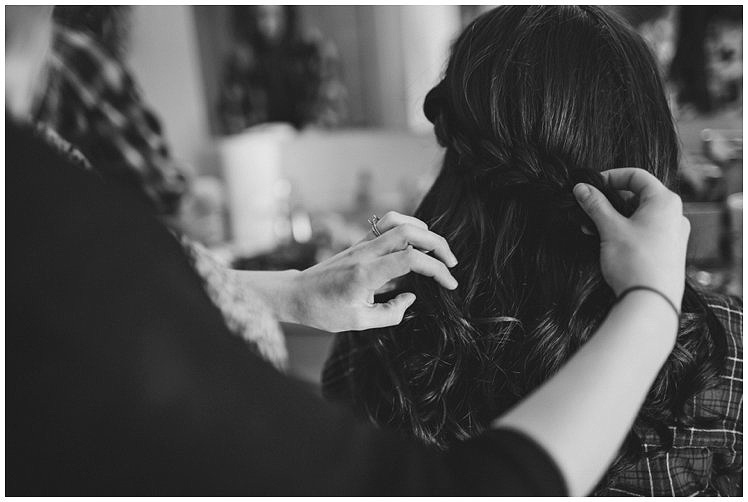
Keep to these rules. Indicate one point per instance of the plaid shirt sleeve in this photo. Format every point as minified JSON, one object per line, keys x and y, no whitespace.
{"x":93,"y":102}
{"x":702,"y":461}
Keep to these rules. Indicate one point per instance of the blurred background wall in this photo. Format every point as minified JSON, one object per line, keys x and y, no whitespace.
{"x":165,"y":58}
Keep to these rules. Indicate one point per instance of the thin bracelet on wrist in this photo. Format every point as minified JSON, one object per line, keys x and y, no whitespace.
{"x":653,"y":290}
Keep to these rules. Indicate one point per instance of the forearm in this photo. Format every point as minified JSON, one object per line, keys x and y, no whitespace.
{"x":582,"y":414}
{"x":277,"y":289}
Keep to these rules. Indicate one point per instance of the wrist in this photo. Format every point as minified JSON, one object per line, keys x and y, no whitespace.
{"x":675,"y":306}
{"x":653,"y":311}
{"x":292,"y":308}
{"x":279,"y":290}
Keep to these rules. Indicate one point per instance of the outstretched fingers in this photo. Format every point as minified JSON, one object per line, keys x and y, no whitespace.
{"x":406,"y":235}
{"x":400,"y":263}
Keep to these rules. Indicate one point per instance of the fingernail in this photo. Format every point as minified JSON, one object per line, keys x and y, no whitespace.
{"x":581,"y":191}
{"x":453,"y":283}
{"x":452,"y":262}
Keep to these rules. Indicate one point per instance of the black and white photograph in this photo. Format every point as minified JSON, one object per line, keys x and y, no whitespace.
{"x":373,"y":250}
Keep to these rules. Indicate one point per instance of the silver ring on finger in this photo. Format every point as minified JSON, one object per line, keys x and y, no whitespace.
{"x":373,"y":222}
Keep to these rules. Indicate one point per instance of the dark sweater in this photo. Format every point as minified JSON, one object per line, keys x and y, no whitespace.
{"x":121,"y":378}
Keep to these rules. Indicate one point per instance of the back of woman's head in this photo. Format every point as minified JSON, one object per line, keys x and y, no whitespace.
{"x":532,"y":93}
{"x":534,"y":99}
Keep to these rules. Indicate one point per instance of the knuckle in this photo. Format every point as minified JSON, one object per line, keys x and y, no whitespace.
{"x":401,"y":233}
{"x":443,"y":242}
{"x":677,"y":201}
{"x":592,"y":203}
{"x":444,"y":270}
{"x":673,"y":199}
{"x":390,"y":218}
{"x":409,"y":259}
{"x":439,"y":265}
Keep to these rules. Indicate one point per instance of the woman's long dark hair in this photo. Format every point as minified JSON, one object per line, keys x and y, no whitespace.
{"x":534,"y":99}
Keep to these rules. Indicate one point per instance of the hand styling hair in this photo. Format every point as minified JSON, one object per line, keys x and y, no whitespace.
{"x":534,"y":100}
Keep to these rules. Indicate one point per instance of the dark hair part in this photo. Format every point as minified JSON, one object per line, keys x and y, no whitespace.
{"x":534,"y":99}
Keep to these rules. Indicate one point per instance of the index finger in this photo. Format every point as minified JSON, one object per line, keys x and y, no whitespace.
{"x":642,"y":183}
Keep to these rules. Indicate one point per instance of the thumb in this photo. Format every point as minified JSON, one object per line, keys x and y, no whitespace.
{"x":392,"y":312}
{"x":598,"y":208}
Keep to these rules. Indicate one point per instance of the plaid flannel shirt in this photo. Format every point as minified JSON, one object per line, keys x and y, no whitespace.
{"x":92,"y":101}
{"x":701,"y":461}
{"x":704,"y":461}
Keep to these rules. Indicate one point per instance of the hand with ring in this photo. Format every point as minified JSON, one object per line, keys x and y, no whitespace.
{"x":338,"y":293}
